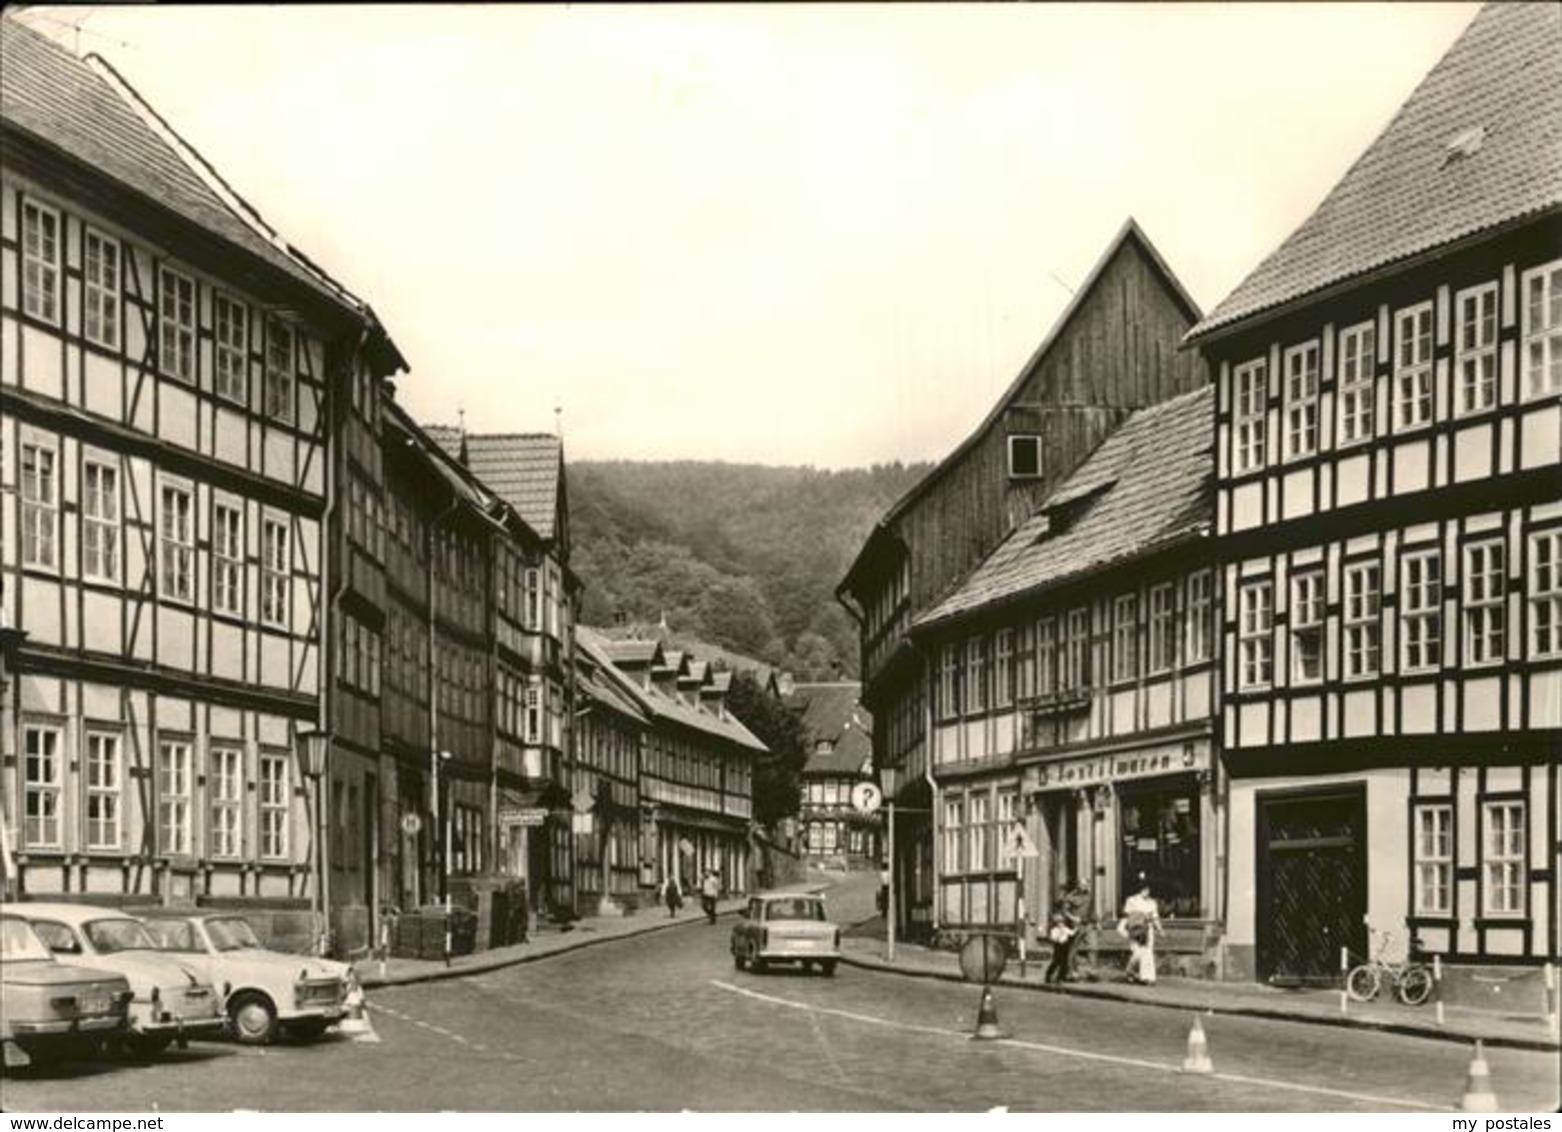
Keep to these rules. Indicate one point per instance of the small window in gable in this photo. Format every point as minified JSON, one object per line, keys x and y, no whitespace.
{"x":1024,"y":457}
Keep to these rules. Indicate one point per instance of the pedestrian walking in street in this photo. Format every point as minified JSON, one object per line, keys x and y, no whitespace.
{"x":1068,"y":919}
{"x":710,"y":889}
{"x":672,"y":894}
{"x":1141,"y":924}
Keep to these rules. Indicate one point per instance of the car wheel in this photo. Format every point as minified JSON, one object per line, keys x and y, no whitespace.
{"x":828,"y":967}
{"x":252,"y":1018}
{"x":307,"y":1031}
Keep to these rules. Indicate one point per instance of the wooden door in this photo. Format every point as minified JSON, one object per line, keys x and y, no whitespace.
{"x":1312,"y":883}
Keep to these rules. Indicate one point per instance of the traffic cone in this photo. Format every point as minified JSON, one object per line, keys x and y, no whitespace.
{"x":13,"y":1056}
{"x":1478,"y":1096}
{"x":987,"y":1018}
{"x":1197,"y":1060}
{"x":356,"y":1024}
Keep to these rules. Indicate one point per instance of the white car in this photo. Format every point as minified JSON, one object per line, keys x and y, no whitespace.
{"x":48,"y":1007}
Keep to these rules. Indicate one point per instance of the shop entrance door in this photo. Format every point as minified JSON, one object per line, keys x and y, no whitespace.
{"x":1312,"y":883}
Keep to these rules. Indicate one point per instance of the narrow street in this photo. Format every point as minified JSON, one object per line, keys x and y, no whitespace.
{"x":664,"y":1023}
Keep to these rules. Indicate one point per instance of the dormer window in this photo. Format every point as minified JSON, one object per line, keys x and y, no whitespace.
{"x":1024,"y":457}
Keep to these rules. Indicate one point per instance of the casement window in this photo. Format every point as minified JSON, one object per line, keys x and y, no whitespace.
{"x":1201,"y":606}
{"x":1421,"y":611}
{"x":279,"y":371}
{"x":1413,"y":366}
{"x":40,"y":261}
{"x":976,"y":674}
{"x":176,"y":527}
{"x":1306,"y":623}
{"x":1545,"y":594}
{"x":275,"y":572}
{"x":230,"y":349}
{"x":976,"y":820}
{"x":1434,"y":860}
{"x":1024,"y":457}
{"x":40,"y":507}
{"x":1301,"y":400}
{"x":951,"y":837}
{"x":1046,"y":657}
{"x":1502,"y":858}
{"x":1076,"y":652}
{"x":104,"y":783}
{"x":1025,"y":661}
{"x":1485,"y":609}
{"x":174,"y":796}
{"x":1255,"y":641}
{"x":1475,"y":348}
{"x":100,"y":521}
{"x":533,"y":598}
{"x":1358,"y":351}
{"x":1363,"y":625}
{"x":176,"y":323}
{"x":227,"y":559}
{"x":1252,"y":398}
{"x":1003,"y":668}
{"x":533,"y":711}
{"x":1125,"y":638}
{"x":41,"y":786}
{"x":273,"y":806}
{"x":100,"y":289}
{"x":1163,"y":629}
{"x":1542,"y":348}
{"x":226,"y":792}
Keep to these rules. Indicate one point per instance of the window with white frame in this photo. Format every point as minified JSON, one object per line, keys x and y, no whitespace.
{"x":1301,"y":400}
{"x":103,"y":790}
{"x":976,"y":820}
{"x":1076,"y":651}
{"x":227,"y":559}
{"x":948,"y":677}
{"x":40,"y":261}
{"x":533,"y":710}
{"x":533,"y":598}
{"x":1485,"y":609}
{"x":177,"y":541}
{"x":226,"y":794}
{"x":1502,"y":859}
{"x":230,"y":348}
{"x":1163,"y":628}
{"x":1008,"y":814}
{"x":1358,"y":348}
{"x":273,"y":805}
{"x":1421,"y":610}
{"x":279,"y":371}
{"x":1201,"y":604}
{"x":1307,"y":627}
{"x":1003,"y":668}
{"x":174,"y":795}
{"x":1413,"y":365}
{"x":951,"y":835}
{"x":1542,"y":348}
{"x":100,"y":521}
{"x":275,"y":571}
{"x":1475,"y":348}
{"x":1545,"y":593}
{"x":1363,"y":626}
{"x":176,"y":321}
{"x":41,"y":786}
{"x":1125,"y":637}
{"x":1255,"y":641}
{"x":1252,"y":397}
{"x":976,"y":674}
{"x":1434,"y":862}
{"x":100,"y":289}
{"x":1025,"y":661}
{"x":40,"y":507}
{"x":1046,"y":657}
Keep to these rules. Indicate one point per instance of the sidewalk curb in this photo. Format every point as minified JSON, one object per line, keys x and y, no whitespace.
{"x":1107,"y":994}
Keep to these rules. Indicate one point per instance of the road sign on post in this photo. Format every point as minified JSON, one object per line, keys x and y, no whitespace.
{"x":1017,"y":843}
{"x":866,"y":798}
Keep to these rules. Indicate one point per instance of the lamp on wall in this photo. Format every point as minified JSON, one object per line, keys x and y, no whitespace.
{"x":314,"y":749}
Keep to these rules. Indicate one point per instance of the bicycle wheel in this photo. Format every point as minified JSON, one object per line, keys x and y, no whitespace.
{"x":1363,"y":983}
{"x":1415,"y":986}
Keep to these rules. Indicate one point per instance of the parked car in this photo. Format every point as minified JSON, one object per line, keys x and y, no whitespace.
{"x":168,"y":999}
{"x":49,"y":1008}
{"x":786,"y":928}
{"x":261,"y":991}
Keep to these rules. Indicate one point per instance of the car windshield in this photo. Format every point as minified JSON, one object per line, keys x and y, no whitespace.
{"x":18,"y":941}
{"x":174,"y":935}
{"x":231,"y":933}
{"x":109,"y":936}
{"x":795,"y":910}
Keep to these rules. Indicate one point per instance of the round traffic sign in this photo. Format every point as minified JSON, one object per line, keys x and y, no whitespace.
{"x":866,"y":797}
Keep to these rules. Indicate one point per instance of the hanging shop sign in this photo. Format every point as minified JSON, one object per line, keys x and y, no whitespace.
{"x":1118,"y":767}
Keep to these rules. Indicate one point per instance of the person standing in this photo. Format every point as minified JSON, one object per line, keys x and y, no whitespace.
{"x":1068,"y":918}
{"x":1141,"y":924}
{"x":710,"y":889}
{"x":672,"y":893}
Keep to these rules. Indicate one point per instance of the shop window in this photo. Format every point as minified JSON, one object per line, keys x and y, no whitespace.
{"x":1159,"y":830}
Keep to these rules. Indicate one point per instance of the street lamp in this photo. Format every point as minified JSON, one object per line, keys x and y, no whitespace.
{"x":314,"y":748}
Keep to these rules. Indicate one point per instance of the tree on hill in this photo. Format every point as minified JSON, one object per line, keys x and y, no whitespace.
{"x":777,"y":774}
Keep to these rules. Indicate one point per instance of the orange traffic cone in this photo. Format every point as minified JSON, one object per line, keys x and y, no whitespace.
{"x":987,"y":1018}
{"x":1478,"y":1096}
{"x":355,"y":1024}
{"x":1197,"y":1060}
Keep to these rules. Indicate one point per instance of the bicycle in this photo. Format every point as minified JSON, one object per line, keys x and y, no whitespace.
{"x":1410,"y":980}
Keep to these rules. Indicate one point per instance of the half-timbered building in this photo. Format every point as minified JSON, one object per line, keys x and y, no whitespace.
{"x":839,"y":734}
{"x":612,"y":730}
{"x":1387,"y":511}
{"x":171,"y":381}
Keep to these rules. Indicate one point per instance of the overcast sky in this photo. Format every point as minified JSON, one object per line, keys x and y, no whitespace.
{"x":819,"y":234}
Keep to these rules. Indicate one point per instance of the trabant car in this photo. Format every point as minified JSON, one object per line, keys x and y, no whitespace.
{"x":261,"y":991}
{"x":786,"y":928}
{"x":168,"y":999}
{"x":49,"y":1008}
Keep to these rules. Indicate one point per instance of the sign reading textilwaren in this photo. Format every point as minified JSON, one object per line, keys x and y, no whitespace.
{"x":1118,"y":766}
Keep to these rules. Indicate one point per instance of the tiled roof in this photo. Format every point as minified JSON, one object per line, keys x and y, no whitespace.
{"x":1148,"y":485}
{"x":832,"y":712}
{"x":524,"y":469}
{"x":1497,"y":95}
{"x":85,"y":109}
{"x":602,"y":681}
{"x":629,"y":651}
{"x":720,"y":659}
